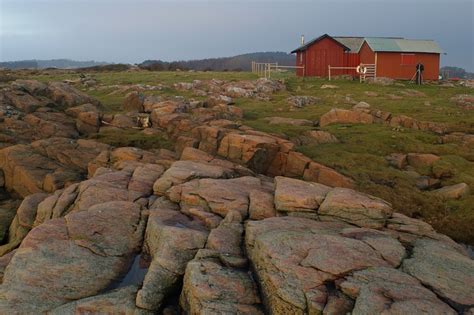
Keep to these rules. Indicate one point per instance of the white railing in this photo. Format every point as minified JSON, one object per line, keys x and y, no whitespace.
{"x":338,"y":68}
{"x":264,"y":69}
{"x":364,"y":70}
{"x":370,"y":71}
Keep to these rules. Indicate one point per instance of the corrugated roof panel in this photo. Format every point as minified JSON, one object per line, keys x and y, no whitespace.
{"x":403,"y":45}
{"x":389,"y":44}
{"x":426,"y":46}
{"x":353,"y":43}
{"x":382,"y":44}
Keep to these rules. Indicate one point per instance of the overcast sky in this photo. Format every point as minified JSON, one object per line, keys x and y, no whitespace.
{"x":135,"y":30}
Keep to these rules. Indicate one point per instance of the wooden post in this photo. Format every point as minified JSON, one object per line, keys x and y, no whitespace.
{"x":329,"y":66}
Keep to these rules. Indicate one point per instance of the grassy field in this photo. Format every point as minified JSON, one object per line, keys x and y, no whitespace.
{"x":362,"y":148}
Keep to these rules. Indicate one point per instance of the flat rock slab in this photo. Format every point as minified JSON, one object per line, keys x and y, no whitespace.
{"x":379,"y":290}
{"x":218,"y":196}
{"x":297,"y":195}
{"x":183,"y":171}
{"x":120,"y":301}
{"x":356,"y":208}
{"x":344,"y":116}
{"x":445,"y":270}
{"x":306,"y":266}
{"x":453,"y":192}
{"x":172,"y":239}
{"x":210,"y":288}
{"x":288,"y":121}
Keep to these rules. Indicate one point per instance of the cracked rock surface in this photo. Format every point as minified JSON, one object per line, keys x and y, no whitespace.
{"x":224,"y":225}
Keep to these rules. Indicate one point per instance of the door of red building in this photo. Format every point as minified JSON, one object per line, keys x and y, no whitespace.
{"x":320,"y":66}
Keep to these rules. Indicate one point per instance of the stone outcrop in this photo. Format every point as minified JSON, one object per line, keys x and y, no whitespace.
{"x":47,"y":165}
{"x":73,"y":257}
{"x":249,"y":89}
{"x":119,"y":301}
{"x":300,"y":101}
{"x":241,"y":223}
{"x":288,"y":121}
{"x":211,"y":288}
{"x":315,"y":137}
{"x":453,"y":192}
{"x":305,"y":266}
{"x":309,"y":247}
{"x":172,"y":239}
{"x":356,"y":208}
{"x":363,"y":114}
{"x":344,"y":116}
{"x":31,"y":110}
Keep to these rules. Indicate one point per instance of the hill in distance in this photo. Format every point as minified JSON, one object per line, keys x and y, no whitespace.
{"x":53,"y":63}
{"x":235,"y":63}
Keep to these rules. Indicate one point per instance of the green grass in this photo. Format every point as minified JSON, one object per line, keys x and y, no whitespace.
{"x":132,"y":138}
{"x":362,"y":149}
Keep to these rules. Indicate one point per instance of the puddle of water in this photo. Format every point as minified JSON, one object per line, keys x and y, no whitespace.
{"x":470,"y":250}
{"x":135,"y":275}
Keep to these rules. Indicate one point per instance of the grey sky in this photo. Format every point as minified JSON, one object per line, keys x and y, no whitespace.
{"x":132,"y":31}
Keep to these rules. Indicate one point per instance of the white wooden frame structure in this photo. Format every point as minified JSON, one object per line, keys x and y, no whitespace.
{"x":370,"y":71}
{"x":339,"y":68}
{"x":264,"y":69}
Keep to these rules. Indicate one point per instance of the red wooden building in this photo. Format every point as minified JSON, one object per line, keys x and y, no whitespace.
{"x":388,"y":57}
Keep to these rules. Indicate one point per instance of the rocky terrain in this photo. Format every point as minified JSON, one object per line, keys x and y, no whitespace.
{"x":233,"y":220}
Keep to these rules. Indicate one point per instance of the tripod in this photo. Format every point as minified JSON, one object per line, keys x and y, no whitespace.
{"x":418,"y":76}
{"x":415,"y":76}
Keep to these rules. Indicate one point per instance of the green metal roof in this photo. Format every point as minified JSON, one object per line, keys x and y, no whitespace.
{"x":387,"y":44}
{"x":403,"y":45}
{"x":353,"y":43}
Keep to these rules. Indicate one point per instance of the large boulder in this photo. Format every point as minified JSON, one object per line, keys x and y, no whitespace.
{"x":420,"y":160}
{"x":71,"y":258}
{"x":172,"y":239}
{"x":344,"y":116}
{"x":313,"y":137}
{"x":218,"y":196}
{"x":88,"y":118}
{"x":47,"y":165}
{"x":386,"y":290}
{"x":134,"y":102}
{"x":356,"y":208}
{"x":119,"y":301}
{"x":52,"y":124}
{"x":294,"y":258}
{"x":453,"y":191}
{"x":66,"y":95}
{"x":183,"y":171}
{"x":316,"y":172}
{"x":22,"y":222}
{"x":288,"y":121}
{"x":445,"y":270}
{"x":211,"y":288}
{"x":297,"y":195}
{"x":310,"y":267}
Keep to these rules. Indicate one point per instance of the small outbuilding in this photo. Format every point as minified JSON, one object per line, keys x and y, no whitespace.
{"x":391,"y":57}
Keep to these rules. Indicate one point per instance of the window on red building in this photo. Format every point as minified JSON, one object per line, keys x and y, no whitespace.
{"x":408,"y":60}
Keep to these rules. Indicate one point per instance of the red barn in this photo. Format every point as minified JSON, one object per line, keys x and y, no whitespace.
{"x":391,"y":57}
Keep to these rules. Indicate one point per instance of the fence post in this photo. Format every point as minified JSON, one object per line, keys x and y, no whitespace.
{"x":329,"y":66}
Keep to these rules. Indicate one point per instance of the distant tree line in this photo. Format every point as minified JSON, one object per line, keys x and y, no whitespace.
{"x":236,"y":63}
{"x":455,"y":72}
{"x":53,"y":63}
